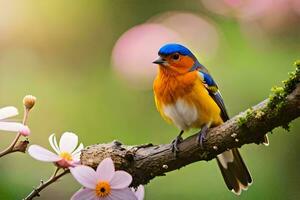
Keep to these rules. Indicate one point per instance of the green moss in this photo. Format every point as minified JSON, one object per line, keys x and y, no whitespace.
{"x":259,"y":114}
{"x":277,"y":98}
{"x":297,"y":63}
{"x":286,"y":127}
{"x":278,"y":94}
{"x":243,"y":119}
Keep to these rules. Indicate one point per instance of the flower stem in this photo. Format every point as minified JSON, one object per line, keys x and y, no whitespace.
{"x":10,"y":148}
{"x":55,"y":172}
{"x":36,"y":191}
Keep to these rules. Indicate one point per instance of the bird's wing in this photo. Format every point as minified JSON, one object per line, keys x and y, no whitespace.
{"x":214,"y":92}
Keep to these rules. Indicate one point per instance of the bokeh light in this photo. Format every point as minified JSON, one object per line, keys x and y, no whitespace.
{"x":261,"y":17}
{"x":198,"y":32}
{"x":296,"y":6}
{"x":240,"y":9}
{"x":137,"y":48}
{"x":135,"y":51}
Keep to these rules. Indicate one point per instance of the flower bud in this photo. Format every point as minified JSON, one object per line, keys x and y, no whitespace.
{"x":29,"y":101}
{"x":25,"y":131}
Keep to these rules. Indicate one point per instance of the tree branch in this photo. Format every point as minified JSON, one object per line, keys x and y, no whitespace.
{"x":144,"y":162}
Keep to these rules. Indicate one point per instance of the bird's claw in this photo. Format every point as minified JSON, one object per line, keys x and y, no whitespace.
{"x":175,"y":144}
{"x":200,"y":139}
{"x":202,"y":135}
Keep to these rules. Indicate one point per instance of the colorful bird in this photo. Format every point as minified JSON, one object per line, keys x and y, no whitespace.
{"x":187,"y":96}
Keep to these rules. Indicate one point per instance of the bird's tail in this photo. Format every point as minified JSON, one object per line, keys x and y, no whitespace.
{"x":234,"y":171}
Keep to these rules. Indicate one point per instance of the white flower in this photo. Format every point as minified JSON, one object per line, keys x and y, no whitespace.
{"x":8,"y":112}
{"x":139,"y":192}
{"x":66,"y":153}
{"x":103,"y":184}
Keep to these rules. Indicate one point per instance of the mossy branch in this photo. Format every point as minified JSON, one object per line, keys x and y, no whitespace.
{"x":145,"y":162}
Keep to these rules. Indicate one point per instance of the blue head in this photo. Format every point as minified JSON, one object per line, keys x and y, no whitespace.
{"x":172,"y":48}
{"x":177,"y":57}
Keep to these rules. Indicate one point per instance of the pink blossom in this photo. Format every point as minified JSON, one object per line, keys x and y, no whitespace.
{"x":67,"y":155}
{"x":103,"y":184}
{"x":8,"y":112}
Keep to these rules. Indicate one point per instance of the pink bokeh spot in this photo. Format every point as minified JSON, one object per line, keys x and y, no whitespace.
{"x":259,"y":19}
{"x":198,"y":33}
{"x":243,"y":10}
{"x":137,"y":48}
{"x":233,"y":3}
{"x":135,"y":51}
{"x":295,"y":4}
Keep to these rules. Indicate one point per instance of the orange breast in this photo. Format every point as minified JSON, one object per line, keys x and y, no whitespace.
{"x":174,"y":91}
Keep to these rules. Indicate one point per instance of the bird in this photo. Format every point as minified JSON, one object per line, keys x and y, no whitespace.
{"x":187,"y":96}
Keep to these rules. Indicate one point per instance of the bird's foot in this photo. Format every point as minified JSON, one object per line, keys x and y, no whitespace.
{"x":175,"y":144}
{"x":202,"y":136}
{"x":200,"y":139}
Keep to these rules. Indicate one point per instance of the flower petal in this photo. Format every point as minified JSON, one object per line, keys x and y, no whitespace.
{"x":76,"y":157}
{"x":42,"y":154}
{"x":85,"y":175}
{"x":68,"y":142}
{"x":12,"y":126}
{"x":53,"y":143}
{"x":84,"y":194}
{"x":105,"y":170}
{"x":7,"y":112}
{"x":106,"y":198}
{"x":78,"y":150}
{"x":75,"y":163}
{"x":139,"y":192}
{"x":122,"y":194}
{"x":120,"y":180}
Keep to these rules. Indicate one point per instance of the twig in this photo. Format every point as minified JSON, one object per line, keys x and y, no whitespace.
{"x":36,"y":191}
{"x":22,"y":146}
{"x":28,"y":102}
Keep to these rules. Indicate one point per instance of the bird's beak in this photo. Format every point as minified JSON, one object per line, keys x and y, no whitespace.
{"x":160,"y":61}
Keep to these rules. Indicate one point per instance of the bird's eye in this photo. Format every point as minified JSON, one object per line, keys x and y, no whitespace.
{"x":175,"y":57}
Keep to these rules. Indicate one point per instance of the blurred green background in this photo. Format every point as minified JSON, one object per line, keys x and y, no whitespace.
{"x":64,"y":53}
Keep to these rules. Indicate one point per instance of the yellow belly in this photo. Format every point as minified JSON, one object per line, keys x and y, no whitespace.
{"x":191,"y":110}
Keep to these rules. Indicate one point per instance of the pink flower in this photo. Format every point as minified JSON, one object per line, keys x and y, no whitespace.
{"x":103,"y":184}
{"x":139,"y":192}
{"x":67,"y":155}
{"x":8,"y":112}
